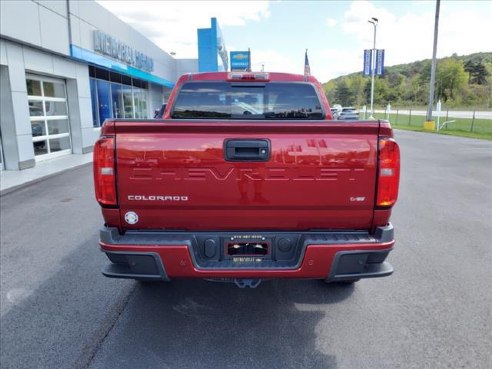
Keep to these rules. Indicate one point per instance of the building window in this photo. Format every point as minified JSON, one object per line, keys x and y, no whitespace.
{"x":117,"y":100}
{"x":48,"y":113}
{"x":104,"y":100}
{"x":140,"y":103}
{"x":94,"y":103}
{"x":115,"y":95}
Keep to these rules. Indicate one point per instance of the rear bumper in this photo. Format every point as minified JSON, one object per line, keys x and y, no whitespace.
{"x":332,"y":256}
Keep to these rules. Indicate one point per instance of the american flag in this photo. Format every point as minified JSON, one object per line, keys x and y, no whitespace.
{"x":307,"y":69}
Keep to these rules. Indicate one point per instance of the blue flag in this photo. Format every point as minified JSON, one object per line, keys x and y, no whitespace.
{"x":367,"y":63}
{"x":379,"y":62}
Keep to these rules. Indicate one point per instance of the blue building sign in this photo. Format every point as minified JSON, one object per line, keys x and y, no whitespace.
{"x":108,"y":45}
{"x":240,"y":61}
{"x":212,"y":52}
{"x":102,"y":61}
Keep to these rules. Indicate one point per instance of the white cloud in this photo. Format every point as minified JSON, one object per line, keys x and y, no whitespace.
{"x":172,"y":25}
{"x":331,"y":22}
{"x":330,"y":63}
{"x":464,"y":32}
{"x":406,"y":37}
{"x":273,"y":61}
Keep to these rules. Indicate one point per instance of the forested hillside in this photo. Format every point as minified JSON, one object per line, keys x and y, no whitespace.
{"x":461,"y":81}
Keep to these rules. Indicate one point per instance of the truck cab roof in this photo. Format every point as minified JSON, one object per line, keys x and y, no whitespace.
{"x":247,"y":76}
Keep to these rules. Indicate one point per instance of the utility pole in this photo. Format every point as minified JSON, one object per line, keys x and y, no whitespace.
{"x":429,"y":123}
{"x":374,"y":22}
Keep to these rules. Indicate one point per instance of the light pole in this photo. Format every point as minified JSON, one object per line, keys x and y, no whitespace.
{"x":374,"y":22}
{"x":429,"y":123}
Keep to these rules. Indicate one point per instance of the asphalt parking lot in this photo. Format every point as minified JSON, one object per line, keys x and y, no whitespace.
{"x":435,"y":311}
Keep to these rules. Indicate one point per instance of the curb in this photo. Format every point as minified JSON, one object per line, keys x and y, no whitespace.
{"x":39,"y":179}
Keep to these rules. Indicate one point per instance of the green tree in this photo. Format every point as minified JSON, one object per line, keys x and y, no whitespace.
{"x":394,"y":81}
{"x":356,"y":84}
{"x":461,"y":81}
{"x":381,"y":92}
{"x":329,"y":88}
{"x":451,"y":76}
{"x":419,"y":91}
{"x":469,"y":67}
{"x":425,"y":74}
{"x":343,"y":95}
{"x":481,"y":74}
{"x":477,"y":71}
{"x":367,"y":91}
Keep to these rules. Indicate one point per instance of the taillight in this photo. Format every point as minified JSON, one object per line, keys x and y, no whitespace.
{"x":104,"y":171}
{"x":389,"y":172}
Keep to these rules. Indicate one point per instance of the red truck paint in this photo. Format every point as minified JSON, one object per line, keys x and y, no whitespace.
{"x":170,"y":176}
{"x":315,"y":264}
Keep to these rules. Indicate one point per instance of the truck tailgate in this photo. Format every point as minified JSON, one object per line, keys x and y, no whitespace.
{"x":317,"y":175}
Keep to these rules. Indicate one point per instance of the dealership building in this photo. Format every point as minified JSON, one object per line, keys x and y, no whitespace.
{"x":66,"y":66}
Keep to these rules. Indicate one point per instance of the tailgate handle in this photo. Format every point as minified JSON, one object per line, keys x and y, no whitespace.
{"x":247,"y":150}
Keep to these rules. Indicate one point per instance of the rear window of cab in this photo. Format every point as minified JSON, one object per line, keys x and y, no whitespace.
{"x":229,"y":100}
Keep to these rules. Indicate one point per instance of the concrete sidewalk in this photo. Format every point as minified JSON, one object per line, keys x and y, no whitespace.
{"x":11,"y":180}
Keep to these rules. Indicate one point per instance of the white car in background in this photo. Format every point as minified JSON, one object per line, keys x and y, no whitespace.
{"x":349,"y":113}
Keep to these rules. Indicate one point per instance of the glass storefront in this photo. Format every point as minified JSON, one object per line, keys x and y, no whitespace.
{"x":104,"y":100}
{"x":116,"y":96}
{"x":140,"y":104}
{"x":48,"y":113}
{"x":117,"y":99}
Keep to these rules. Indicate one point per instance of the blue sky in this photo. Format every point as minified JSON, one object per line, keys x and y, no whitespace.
{"x":334,"y":32}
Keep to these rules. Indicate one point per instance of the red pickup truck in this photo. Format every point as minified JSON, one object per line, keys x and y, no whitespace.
{"x":245,"y":178}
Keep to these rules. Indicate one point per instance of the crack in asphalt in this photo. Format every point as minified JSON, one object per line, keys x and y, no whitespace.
{"x":85,"y":359}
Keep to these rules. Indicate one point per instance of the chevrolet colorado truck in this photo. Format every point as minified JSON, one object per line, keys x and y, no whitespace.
{"x":246,"y":178}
